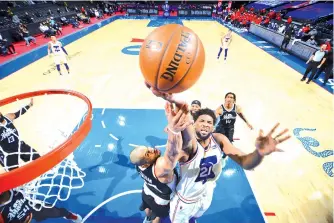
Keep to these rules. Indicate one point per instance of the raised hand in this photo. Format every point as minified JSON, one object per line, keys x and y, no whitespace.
{"x":178,"y":119}
{"x":265,"y":145}
{"x":168,"y":97}
{"x":31,"y":102}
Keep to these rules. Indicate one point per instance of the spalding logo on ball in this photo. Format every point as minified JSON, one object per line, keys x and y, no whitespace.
{"x":172,"y":58}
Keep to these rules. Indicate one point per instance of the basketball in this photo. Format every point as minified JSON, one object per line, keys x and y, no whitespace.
{"x":172,"y":58}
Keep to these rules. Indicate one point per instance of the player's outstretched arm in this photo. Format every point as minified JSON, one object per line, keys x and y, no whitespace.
{"x":265,"y":145}
{"x":242,"y":116}
{"x":188,"y":134}
{"x":177,"y":122}
{"x":20,"y":112}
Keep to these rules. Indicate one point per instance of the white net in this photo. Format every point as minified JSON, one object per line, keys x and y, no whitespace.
{"x":50,"y":130}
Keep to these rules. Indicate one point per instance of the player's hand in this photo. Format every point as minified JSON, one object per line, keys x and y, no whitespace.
{"x":265,"y":145}
{"x":177,"y":120}
{"x":168,"y":97}
{"x":319,"y":66}
{"x":31,"y":102}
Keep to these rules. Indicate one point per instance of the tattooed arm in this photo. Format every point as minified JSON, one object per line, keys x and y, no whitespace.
{"x":177,"y":122}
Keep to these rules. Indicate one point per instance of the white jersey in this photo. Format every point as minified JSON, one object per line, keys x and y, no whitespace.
{"x":226,"y":41}
{"x":56,"y":48}
{"x":197,"y":174}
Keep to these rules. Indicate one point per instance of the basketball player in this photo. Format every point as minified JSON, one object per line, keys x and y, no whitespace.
{"x":226,"y":41}
{"x":201,"y":162}
{"x":158,"y":171}
{"x":228,"y":114}
{"x":11,"y":147}
{"x":195,"y":106}
{"x":59,"y":54}
{"x":14,"y":208}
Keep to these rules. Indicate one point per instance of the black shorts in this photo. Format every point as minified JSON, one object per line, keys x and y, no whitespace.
{"x":161,"y":211}
{"x":228,"y":132}
{"x":11,"y":160}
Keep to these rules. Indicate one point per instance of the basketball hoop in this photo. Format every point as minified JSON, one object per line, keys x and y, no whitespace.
{"x":57,"y":159}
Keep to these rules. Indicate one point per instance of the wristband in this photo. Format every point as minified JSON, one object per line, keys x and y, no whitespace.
{"x":175,"y":133}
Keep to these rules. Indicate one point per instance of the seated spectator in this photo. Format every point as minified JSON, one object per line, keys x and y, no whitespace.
{"x":281,"y":29}
{"x":101,"y":13}
{"x":97,"y":14}
{"x":83,"y":18}
{"x":7,"y":46}
{"x":74,"y":22}
{"x":298,"y":35}
{"x":55,"y":26}
{"x":26,"y":35}
{"x":28,"y":18}
{"x":64,"y":21}
{"x":45,"y":30}
{"x":312,"y":41}
{"x":16,"y":20}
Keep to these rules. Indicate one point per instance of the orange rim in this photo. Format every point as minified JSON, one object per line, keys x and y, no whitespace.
{"x":32,"y":170}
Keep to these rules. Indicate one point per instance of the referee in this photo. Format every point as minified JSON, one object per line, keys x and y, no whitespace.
{"x":316,"y":61}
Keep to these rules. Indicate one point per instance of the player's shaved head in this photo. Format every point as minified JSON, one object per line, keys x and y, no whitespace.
{"x":143,"y":155}
{"x":137,"y":155}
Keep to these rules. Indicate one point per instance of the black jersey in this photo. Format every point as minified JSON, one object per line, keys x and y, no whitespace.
{"x":162,"y":190}
{"x":16,"y":209}
{"x":9,"y":136}
{"x":228,"y":117}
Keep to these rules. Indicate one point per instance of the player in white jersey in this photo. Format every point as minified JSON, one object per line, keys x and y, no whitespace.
{"x":225,"y":41}
{"x":201,"y":162}
{"x":59,"y":54}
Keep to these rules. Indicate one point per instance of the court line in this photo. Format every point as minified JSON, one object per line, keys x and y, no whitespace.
{"x":112,"y":136}
{"x":103,"y":125}
{"x":134,"y":145}
{"x":110,"y":199}
{"x":103,"y":111}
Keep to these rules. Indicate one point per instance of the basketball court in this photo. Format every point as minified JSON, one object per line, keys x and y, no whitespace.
{"x":294,"y":186}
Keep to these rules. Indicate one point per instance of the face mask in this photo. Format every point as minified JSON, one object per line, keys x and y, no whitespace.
{"x":2,"y":118}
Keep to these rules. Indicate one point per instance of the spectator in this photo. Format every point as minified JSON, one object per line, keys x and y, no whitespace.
{"x":306,"y":28}
{"x":311,"y":41}
{"x":289,"y":21}
{"x":281,"y":29}
{"x":74,"y":22}
{"x":45,"y":30}
{"x":298,"y":36}
{"x":9,"y":12}
{"x":16,"y":20}
{"x":287,"y":37}
{"x":26,"y":35}
{"x":7,"y":45}
{"x":328,"y":46}
{"x":315,"y":62}
{"x":84,"y":18}
{"x":308,"y":35}
{"x":27,"y":18}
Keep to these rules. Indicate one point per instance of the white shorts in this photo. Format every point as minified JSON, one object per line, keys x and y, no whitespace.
{"x":182,"y":212}
{"x":58,"y":59}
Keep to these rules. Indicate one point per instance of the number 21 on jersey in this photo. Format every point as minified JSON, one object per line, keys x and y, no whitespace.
{"x":206,"y":166}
